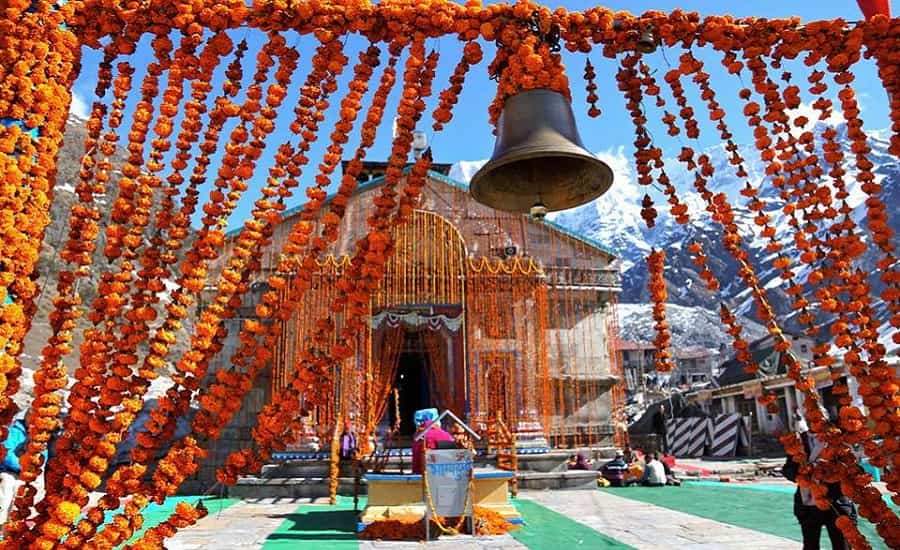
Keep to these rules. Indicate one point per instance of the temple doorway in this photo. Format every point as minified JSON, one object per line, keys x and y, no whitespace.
{"x":412,"y":382}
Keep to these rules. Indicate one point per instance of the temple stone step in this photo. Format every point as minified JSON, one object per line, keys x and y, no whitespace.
{"x":574,"y":479}
{"x":292,"y":487}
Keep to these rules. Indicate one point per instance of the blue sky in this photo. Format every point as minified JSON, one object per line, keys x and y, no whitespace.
{"x":468,"y":136}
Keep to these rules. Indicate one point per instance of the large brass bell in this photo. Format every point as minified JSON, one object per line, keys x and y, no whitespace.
{"x":539,"y":160}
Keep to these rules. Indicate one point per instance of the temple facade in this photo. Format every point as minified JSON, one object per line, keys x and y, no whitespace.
{"x":493,"y":315}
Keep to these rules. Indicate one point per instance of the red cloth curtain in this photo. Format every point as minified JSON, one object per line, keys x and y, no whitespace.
{"x":437,"y":358}
{"x":871,"y":8}
{"x":386,"y":360}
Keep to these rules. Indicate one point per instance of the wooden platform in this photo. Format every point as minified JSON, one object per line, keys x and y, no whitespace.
{"x":392,"y":495}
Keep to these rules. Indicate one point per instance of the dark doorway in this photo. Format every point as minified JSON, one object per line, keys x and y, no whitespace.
{"x":412,"y":385}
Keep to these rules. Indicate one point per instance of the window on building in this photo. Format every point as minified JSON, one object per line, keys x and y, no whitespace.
{"x":804,"y":348}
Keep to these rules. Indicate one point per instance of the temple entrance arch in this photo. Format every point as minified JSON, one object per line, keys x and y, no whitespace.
{"x":417,"y":328}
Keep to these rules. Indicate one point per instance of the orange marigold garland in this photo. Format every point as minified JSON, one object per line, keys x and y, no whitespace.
{"x":174,"y":403}
{"x":526,"y":62}
{"x":277,"y":416}
{"x":591,"y":88}
{"x":656,"y":262}
{"x":226,"y":393}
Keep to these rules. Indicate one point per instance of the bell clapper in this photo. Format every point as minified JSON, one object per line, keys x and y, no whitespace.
{"x":539,"y":211}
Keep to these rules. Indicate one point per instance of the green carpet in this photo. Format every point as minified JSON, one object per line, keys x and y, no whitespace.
{"x":768,"y":509}
{"x":545,"y":529}
{"x":154,"y":514}
{"x":317,"y":527}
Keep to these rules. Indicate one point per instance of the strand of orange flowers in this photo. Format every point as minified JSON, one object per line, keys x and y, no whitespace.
{"x":91,"y":373}
{"x":218,"y":116}
{"x":122,"y":526}
{"x":113,"y":285}
{"x":34,"y":95}
{"x":137,"y":310}
{"x":656,"y":263}
{"x":249,"y":248}
{"x":98,"y":454}
{"x":753,"y":114}
{"x":821,"y":196}
{"x":677,"y":209}
{"x":159,"y":255}
{"x":252,"y":362}
{"x":752,"y":194}
{"x":226,"y":393}
{"x":839,"y":63}
{"x":878,"y":376}
{"x":288,"y":163}
{"x":184,"y":516}
{"x":83,"y":223}
{"x":309,"y":120}
{"x":409,"y":109}
{"x":646,"y":157}
{"x":592,"y":98}
{"x":261,"y":126}
{"x":227,"y":301}
{"x":723,"y":211}
{"x":51,"y":375}
{"x":472,"y":55}
{"x":315,"y":363}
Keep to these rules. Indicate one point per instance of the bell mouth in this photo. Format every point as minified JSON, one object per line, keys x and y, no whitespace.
{"x":557,"y":179}
{"x":539,"y":158}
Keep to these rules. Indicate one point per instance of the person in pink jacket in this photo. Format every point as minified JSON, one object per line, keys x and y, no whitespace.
{"x":432,"y":440}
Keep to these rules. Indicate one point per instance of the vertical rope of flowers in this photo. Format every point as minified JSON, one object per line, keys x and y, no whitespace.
{"x":261,"y":126}
{"x":222,"y":401}
{"x":316,"y":362}
{"x":96,"y":348}
{"x":80,"y":246}
{"x":328,"y":62}
{"x":43,"y":57}
{"x":724,"y":214}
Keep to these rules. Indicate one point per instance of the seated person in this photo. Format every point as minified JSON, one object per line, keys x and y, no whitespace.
{"x":654,"y":472}
{"x":580,"y":463}
{"x":436,"y":438}
{"x":670,"y":475}
{"x":614,"y":471}
{"x":635,"y":472}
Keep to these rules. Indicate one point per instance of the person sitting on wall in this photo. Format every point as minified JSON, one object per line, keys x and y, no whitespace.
{"x":436,"y":438}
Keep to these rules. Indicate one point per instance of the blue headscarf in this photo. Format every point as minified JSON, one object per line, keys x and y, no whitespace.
{"x":425,"y":415}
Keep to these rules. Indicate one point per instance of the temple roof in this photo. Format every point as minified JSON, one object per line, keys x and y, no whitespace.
{"x":437,"y":176}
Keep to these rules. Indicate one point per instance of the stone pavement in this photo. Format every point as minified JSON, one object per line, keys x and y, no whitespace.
{"x":648,"y":527}
{"x":242,"y":526}
{"x":273,"y":523}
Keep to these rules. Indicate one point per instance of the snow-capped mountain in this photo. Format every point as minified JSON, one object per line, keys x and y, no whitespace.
{"x":614,"y":220}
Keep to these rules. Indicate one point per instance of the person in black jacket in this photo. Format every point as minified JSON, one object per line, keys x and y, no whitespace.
{"x":810,"y":517}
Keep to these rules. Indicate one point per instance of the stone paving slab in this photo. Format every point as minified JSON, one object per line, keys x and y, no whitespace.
{"x":242,"y":526}
{"x":649,"y":527}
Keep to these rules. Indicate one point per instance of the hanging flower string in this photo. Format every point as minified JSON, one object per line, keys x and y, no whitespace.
{"x":656,"y":262}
